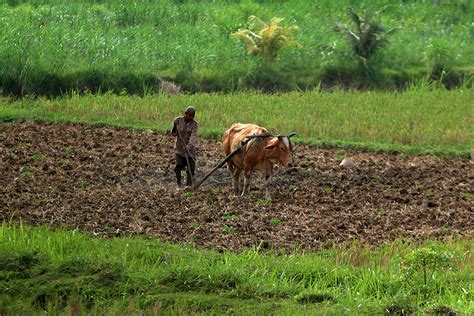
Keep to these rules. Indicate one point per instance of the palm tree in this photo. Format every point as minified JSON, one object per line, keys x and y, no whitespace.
{"x":266,"y":39}
{"x":369,"y":34}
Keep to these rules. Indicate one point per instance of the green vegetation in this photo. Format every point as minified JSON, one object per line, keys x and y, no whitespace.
{"x":53,"y":47}
{"x":266,"y":38}
{"x":69,"y":272}
{"x":421,"y":120}
{"x":422,"y":264}
{"x":275,"y":221}
{"x":368,"y":37}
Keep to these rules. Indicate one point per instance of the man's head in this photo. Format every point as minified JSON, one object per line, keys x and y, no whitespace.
{"x":189,"y":114}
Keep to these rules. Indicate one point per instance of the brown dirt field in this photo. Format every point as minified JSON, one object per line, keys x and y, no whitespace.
{"x":114,"y":182}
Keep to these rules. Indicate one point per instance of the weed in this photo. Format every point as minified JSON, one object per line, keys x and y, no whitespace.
{"x":82,"y":183}
{"x":255,"y":193}
{"x":380,"y":213}
{"x":69,"y":152}
{"x":466,"y":196}
{"x":262,"y":202}
{"x":37,"y":156}
{"x":156,"y":208}
{"x":275,"y":221}
{"x":64,"y":162}
{"x":25,"y":171}
{"x":429,"y":192}
{"x":443,"y":229}
{"x":376,"y":177}
{"x":230,"y":217}
{"x":328,"y":189}
{"x":228,"y":229}
{"x":293,"y":187}
{"x":13,"y":148}
{"x":195,"y":225}
{"x":419,"y":266}
{"x":189,"y":194}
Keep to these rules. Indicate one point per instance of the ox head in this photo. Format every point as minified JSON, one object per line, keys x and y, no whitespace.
{"x":278,"y":150}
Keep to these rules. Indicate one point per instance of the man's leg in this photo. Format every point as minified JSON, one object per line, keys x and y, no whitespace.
{"x":190,"y":173}
{"x":180,"y":165}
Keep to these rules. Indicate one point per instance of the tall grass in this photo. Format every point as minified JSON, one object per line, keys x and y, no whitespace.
{"x":56,"y":271}
{"x":421,"y":120}
{"x":51,"y":47}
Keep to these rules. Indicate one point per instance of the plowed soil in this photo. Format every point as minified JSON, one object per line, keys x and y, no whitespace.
{"x":114,"y":182}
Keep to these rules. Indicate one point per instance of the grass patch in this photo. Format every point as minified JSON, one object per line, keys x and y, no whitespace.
{"x":436,"y":122}
{"x":51,"y":48}
{"x":60,"y":271}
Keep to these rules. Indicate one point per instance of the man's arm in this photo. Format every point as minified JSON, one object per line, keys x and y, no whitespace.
{"x":174,"y":130}
{"x":192,"y":143}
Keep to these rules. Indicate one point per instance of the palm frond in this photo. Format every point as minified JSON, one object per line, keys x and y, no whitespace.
{"x":249,"y":39}
{"x":369,"y":33}
{"x":267,"y":38}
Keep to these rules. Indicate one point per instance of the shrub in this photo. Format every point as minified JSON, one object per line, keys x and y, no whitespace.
{"x":369,"y":34}
{"x":266,"y":38}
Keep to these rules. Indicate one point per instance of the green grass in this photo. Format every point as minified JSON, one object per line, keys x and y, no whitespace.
{"x":66,"y":271}
{"x":421,"y":120}
{"x":51,"y":47}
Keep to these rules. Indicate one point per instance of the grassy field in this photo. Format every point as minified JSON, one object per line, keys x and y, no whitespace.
{"x":54,"y":47}
{"x":51,"y":47}
{"x":421,"y":120}
{"x":66,"y":272}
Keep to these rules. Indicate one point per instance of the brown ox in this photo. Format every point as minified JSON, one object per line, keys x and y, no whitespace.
{"x":260,"y":154}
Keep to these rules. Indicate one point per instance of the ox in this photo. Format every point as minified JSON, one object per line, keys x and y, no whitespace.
{"x":259,"y":154}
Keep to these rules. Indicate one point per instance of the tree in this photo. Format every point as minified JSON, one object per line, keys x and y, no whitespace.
{"x":369,"y":34}
{"x":266,"y":38}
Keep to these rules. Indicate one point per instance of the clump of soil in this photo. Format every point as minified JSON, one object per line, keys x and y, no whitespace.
{"x":112,"y":182}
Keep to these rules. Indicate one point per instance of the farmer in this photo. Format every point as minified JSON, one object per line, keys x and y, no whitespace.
{"x":185,"y":130}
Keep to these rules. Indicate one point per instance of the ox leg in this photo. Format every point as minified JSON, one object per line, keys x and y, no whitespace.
{"x":236,"y":181}
{"x":268,"y":180}
{"x":246,"y":184}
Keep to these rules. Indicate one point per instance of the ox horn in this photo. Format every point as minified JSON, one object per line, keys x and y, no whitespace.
{"x":291,"y":134}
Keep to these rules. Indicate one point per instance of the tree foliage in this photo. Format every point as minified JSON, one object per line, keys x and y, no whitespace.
{"x":368,"y":36}
{"x":266,"y":38}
